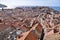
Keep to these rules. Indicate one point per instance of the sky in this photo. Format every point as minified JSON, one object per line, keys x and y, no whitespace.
{"x":14,"y":3}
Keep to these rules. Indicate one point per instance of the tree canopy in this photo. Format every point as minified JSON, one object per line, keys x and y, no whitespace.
{"x":2,"y":6}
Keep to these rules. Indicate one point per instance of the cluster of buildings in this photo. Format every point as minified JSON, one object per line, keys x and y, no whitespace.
{"x":26,"y":23}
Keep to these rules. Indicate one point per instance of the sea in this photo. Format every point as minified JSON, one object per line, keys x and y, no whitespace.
{"x":56,"y":8}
